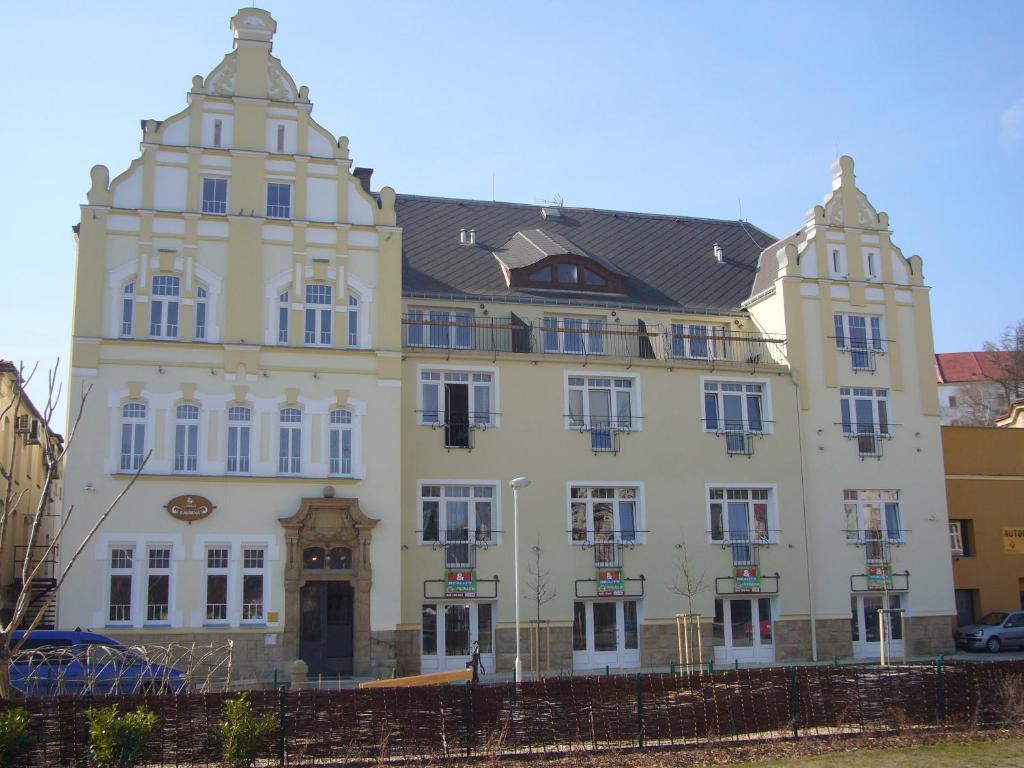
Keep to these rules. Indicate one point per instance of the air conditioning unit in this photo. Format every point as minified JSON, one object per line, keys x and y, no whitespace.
{"x":22,"y":424}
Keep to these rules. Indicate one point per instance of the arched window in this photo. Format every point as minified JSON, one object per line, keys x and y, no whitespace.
{"x":164,"y":304}
{"x":127,"y":308}
{"x":319,"y":312}
{"x":341,"y":442}
{"x":353,"y":321}
{"x":239,"y":434}
{"x":200,"y":334}
{"x":289,"y":457}
{"x":186,"y":438}
{"x":339,"y":559}
{"x":133,"y":435}
{"x":313,"y":558}
{"x":283,"y":309}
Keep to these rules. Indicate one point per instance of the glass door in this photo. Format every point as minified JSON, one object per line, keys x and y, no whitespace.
{"x":865,"y":628}
{"x":606,"y":633}
{"x":449,"y":631}
{"x":743,"y":630}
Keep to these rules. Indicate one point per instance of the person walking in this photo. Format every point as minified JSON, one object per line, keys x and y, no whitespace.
{"x":476,"y":662}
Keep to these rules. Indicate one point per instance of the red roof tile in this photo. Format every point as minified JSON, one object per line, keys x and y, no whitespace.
{"x":956,"y":367}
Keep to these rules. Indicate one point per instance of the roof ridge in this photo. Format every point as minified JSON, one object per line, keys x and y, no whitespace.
{"x":638,"y":214}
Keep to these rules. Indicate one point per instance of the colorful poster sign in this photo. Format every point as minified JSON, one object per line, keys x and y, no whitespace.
{"x":747,"y":578}
{"x":460,"y":583}
{"x":1013,"y":541}
{"x":189,"y":507}
{"x":879,"y":576}
{"x":609,"y":582}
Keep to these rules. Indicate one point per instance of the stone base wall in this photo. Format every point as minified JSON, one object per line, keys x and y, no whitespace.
{"x":929,"y":635}
{"x":659,"y":644}
{"x":407,"y":651}
{"x":834,"y":639}
{"x":792,"y":640}
{"x":556,"y":649}
{"x":383,"y":655}
{"x":251,"y":658}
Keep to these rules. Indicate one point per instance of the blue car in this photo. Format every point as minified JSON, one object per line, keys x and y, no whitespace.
{"x":55,"y":662}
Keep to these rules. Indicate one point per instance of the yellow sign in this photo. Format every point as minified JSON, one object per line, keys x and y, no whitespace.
{"x":1013,"y":541}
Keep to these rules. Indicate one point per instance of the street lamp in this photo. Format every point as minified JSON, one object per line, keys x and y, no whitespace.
{"x":515,"y":485}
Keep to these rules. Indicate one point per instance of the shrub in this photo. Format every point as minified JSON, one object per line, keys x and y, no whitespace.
{"x":15,"y":737}
{"x":242,"y":734}
{"x":118,"y":740}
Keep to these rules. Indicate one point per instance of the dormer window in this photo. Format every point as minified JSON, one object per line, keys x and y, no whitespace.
{"x":540,"y":260}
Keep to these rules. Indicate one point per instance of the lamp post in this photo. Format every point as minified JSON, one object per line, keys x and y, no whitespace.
{"x":515,"y":485}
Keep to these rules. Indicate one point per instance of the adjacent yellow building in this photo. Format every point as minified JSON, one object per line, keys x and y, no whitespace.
{"x":336,"y":385}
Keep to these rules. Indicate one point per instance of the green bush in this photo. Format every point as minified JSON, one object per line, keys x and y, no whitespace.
{"x":242,"y":734}
{"x":119,"y":740}
{"x":15,"y":737}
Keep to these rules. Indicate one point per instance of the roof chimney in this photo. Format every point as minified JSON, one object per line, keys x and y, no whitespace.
{"x":462,"y":236}
{"x":719,"y":255}
{"x":472,"y":236}
{"x":363,"y":174}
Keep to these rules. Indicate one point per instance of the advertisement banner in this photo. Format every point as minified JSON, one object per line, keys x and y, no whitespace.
{"x":879,"y":576}
{"x":460,"y":583}
{"x":747,"y":578}
{"x":609,"y":582}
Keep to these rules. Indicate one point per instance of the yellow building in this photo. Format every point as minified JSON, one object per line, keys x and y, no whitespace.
{"x":985,"y":491}
{"x":338,"y":384}
{"x":24,"y":458}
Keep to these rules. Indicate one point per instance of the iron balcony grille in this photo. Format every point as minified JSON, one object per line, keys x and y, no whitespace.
{"x":587,"y":339}
{"x":607,"y":554}
{"x":862,"y":352}
{"x":604,"y":431}
{"x":869,"y":442}
{"x":738,"y":435}
{"x":607,"y":545}
{"x":459,"y":546}
{"x":877,"y":544}
{"x":745,"y":545}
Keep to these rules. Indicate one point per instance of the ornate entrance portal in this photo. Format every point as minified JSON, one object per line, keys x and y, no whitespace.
{"x":327,"y":581}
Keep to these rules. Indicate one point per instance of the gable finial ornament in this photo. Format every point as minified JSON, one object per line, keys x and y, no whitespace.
{"x":253,"y":26}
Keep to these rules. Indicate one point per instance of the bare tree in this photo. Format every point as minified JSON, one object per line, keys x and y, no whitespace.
{"x":1007,"y":357}
{"x":54,"y":452}
{"x":539,"y":589}
{"x":685,"y":579}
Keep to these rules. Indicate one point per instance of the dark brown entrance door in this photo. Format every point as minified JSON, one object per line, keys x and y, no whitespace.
{"x":325,"y":631}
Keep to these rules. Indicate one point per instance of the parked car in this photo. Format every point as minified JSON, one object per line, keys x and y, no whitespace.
{"x":52,"y":662}
{"x":992,"y":632}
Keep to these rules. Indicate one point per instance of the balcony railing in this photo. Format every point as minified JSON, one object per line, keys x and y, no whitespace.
{"x":869,"y":441}
{"x":745,"y":545}
{"x":877,"y":544}
{"x":604,"y":431}
{"x":49,"y":565}
{"x":589,"y":339}
{"x":459,"y":546}
{"x":739,"y":436}
{"x":607,"y":546}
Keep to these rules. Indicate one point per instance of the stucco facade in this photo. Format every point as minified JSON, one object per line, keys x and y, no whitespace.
{"x":382,"y":422}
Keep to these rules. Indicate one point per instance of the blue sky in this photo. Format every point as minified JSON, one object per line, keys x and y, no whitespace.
{"x":689,"y":108}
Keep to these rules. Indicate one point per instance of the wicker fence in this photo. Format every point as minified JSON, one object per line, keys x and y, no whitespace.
{"x":559,"y":714}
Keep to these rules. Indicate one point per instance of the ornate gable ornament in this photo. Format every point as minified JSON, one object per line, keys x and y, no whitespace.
{"x":847,"y":206}
{"x":255,"y":28}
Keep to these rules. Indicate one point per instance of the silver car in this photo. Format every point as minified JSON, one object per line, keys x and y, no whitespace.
{"x":992,"y":632}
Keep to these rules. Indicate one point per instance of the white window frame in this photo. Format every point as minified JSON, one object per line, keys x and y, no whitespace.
{"x":344,"y":425}
{"x":765,"y":396}
{"x":322,"y":313}
{"x":277,"y":210}
{"x":239,"y":462}
{"x":218,"y":570}
{"x":473,"y":379}
{"x":212,"y":205}
{"x":772,"y":519}
{"x":881,"y":410}
{"x":632,"y":423}
{"x":295,"y":429}
{"x":589,"y":329}
{"x":439,"y":336}
{"x":284,"y":309}
{"x":202,"y":318}
{"x":186,"y":462}
{"x":150,"y":571}
{"x":874,"y":333}
{"x":956,"y":538}
{"x":162,"y":304}
{"x":472,"y":499}
{"x":137,"y":452}
{"x":353,"y":321}
{"x":126,"y":324}
{"x":715,"y":339}
{"x":858,"y":505}
{"x":639,"y":514}
{"x":121,"y":570}
{"x":263,"y":571}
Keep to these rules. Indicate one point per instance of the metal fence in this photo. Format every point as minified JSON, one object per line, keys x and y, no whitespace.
{"x":558,"y":715}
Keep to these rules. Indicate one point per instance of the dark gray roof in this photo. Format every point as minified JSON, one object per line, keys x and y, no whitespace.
{"x":768,"y":262}
{"x":668,"y":261}
{"x":533,"y":245}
